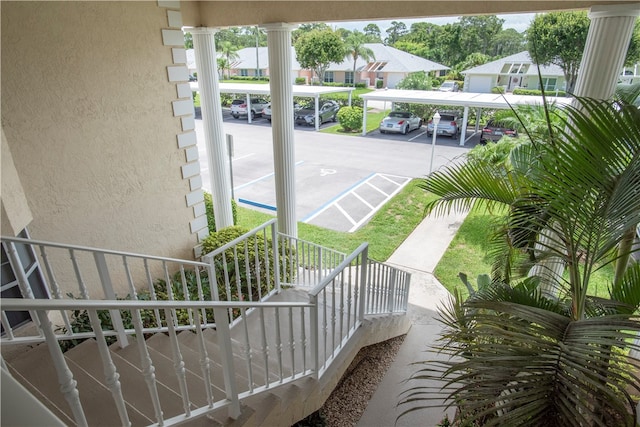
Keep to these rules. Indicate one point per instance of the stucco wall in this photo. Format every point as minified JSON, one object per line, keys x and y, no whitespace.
{"x":87,"y":112}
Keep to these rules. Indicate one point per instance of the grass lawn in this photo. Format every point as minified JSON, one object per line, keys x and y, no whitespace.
{"x":386,"y":230}
{"x":373,"y":122}
{"x":391,"y":225}
{"x":467,"y":253}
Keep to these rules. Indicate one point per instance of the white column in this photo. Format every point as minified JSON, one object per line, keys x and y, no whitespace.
{"x":205,"y":51}
{"x":364,"y":117}
{"x":465,"y":121}
{"x":604,"y":53}
{"x":279,"y":43}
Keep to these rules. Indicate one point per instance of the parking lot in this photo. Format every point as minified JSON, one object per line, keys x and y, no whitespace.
{"x":341,"y":181}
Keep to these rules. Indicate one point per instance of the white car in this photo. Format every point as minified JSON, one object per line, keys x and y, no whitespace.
{"x":449,"y":86}
{"x":239,"y":107}
{"x":400,"y":122}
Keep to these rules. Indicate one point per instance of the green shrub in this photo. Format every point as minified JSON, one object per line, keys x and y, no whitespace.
{"x":246,"y":257}
{"x":301,"y":81}
{"x":361,"y":85}
{"x":497,"y":89}
{"x":226,"y":99}
{"x":537,"y":92}
{"x":343,"y":99}
{"x":379,"y":83}
{"x":211,"y":220}
{"x":350,"y":118}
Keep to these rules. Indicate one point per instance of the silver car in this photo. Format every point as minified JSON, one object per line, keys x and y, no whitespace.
{"x":449,"y":125}
{"x":400,"y":122}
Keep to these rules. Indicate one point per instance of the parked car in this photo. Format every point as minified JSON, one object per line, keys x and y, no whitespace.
{"x":306,"y":115}
{"x":449,"y":86}
{"x":266,"y":112}
{"x":494,"y":131}
{"x":449,"y":125}
{"x":239,"y":107}
{"x":400,"y":122}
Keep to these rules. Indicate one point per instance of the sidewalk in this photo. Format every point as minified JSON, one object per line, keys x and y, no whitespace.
{"x":418,"y":254}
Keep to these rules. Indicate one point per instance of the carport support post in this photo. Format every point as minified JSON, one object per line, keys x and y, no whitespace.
{"x":364,"y":117}
{"x":465,"y":120}
{"x":317,"y":120}
{"x":280,"y":82}
{"x":205,"y":51}
{"x":605,"y":50}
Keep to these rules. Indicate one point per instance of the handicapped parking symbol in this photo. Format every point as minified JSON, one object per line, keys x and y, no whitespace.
{"x":325,"y":172}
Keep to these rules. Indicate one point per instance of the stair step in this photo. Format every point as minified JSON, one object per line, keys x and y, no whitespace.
{"x":134,"y":388}
{"x":164,"y":371}
{"x":239,"y":363}
{"x":36,"y":372}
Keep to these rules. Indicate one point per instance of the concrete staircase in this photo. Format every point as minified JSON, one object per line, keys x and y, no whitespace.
{"x":277,"y":405}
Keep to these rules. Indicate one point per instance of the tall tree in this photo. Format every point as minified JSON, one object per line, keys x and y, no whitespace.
{"x":355,"y":48}
{"x":477,"y":32}
{"x":633,"y":53}
{"x":473,"y":60}
{"x":230,"y":52}
{"x":395,"y":31}
{"x":317,"y":49}
{"x":507,"y":42}
{"x":372,"y":32}
{"x":306,"y":28}
{"x":559,"y":38}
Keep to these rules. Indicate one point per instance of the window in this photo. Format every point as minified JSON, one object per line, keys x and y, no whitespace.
{"x":549,"y":83}
{"x":328,"y":77}
{"x":515,"y":68}
{"x":244,"y":72}
{"x":348,"y":77}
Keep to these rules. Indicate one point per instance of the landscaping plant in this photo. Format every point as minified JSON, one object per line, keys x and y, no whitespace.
{"x":532,"y":346}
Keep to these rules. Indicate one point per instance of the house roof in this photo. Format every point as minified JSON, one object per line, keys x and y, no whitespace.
{"x":496,"y":67}
{"x":387,"y":59}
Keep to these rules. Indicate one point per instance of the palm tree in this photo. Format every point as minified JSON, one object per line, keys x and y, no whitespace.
{"x":355,"y":48}
{"x":521,"y":357}
{"x":230,"y":52}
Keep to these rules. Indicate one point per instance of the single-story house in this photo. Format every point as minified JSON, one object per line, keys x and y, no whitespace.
{"x":388,"y":64}
{"x":511,"y":72}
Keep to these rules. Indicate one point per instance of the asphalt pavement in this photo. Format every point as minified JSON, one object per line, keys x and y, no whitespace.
{"x":341,"y":181}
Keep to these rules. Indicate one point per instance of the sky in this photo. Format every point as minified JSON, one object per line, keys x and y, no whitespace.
{"x":519,"y":22}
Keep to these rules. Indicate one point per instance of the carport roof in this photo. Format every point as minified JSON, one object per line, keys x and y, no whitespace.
{"x":462,"y":99}
{"x":265,"y":89}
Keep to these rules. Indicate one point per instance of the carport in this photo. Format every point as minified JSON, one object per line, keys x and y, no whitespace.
{"x":249,"y":89}
{"x":455,"y":99}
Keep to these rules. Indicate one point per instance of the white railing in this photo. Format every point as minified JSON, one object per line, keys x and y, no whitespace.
{"x":387,"y":289}
{"x":306,"y":261}
{"x":270,"y":342}
{"x":286,"y":338}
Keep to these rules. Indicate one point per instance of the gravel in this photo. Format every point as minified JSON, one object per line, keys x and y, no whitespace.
{"x":345,"y":405}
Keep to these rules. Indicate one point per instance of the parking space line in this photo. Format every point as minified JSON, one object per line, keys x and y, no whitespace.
{"x":370,"y":206}
{"x":417,"y":136}
{"x":351,"y":220}
{"x":325,"y":206}
{"x":377,"y":189}
{"x":373,"y":211}
{"x":240,"y":187}
{"x":243,"y":157}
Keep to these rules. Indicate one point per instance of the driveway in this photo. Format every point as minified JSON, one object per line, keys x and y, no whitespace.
{"x":341,"y":181}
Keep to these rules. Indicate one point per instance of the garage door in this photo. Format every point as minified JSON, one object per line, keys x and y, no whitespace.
{"x":480,"y":84}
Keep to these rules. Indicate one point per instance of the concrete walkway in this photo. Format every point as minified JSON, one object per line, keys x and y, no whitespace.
{"x":418,"y":254}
